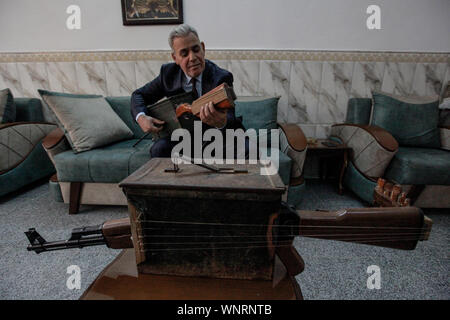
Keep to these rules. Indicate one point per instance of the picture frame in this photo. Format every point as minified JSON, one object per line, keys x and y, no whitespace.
{"x":149,"y":12}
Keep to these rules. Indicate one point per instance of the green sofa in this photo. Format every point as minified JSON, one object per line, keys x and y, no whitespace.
{"x":92,"y":177}
{"x":376,"y":153}
{"x":23,"y":159}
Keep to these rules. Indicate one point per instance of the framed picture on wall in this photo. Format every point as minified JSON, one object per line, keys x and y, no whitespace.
{"x":139,"y":12}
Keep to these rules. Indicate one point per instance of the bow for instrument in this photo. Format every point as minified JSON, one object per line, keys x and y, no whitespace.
{"x":222,"y":97}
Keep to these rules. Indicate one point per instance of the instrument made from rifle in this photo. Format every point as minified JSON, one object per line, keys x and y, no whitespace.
{"x":222,"y":97}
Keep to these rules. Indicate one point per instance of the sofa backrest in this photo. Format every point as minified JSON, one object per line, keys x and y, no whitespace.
{"x":122,"y":105}
{"x":28,"y":110}
{"x":358,"y":111}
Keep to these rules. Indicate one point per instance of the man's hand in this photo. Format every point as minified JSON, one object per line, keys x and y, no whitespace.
{"x":149,"y":124}
{"x":212,"y":116}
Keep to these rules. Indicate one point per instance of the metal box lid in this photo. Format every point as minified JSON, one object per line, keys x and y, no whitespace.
{"x":195,"y":179}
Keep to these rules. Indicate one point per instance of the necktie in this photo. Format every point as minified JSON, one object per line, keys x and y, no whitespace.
{"x":194,"y":88}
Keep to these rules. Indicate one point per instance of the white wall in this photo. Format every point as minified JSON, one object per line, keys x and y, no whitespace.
{"x":407,"y":25}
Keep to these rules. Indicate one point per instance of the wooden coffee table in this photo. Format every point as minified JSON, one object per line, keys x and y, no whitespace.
{"x":324,"y":152}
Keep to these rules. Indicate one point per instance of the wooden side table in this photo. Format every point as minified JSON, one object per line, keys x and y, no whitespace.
{"x":323,"y":152}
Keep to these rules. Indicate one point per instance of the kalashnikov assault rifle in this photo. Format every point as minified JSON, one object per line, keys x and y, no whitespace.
{"x":396,"y":227}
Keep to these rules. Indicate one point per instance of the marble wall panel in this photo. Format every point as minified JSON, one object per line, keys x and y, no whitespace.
{"x":246,"y":77}
{"x":33,"y":76}
{"x":367,"y":76}
{"x":428,"y":79}
{"x":334,"y":92}
{"x":323,"y":131}
{"x":304,"y":87}
{"x":146,"y":71}
{"x":274,"y":81}
{"x":9,"y":78}
{"x":398,"y":78}
{"x":446,"y":80}
{"x":120,"y":78}
{"x":91,"y":78}
{"x":62,"y":77}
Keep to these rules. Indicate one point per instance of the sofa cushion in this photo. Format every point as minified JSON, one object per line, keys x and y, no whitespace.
{"x":257,"y":112}
{"x":122,"y":106}
{"x":88,"y":122}
{"x":420,"y":166}
{"x":358,"y":111}
{"x":7,"y":106}
{"x":413,"y":121}
{"x":112,"y":163}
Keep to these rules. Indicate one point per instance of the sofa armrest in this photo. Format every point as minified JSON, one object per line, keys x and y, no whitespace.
{"x":372,"y":147}
{"x":55,"y":142}
{"x":17,"y":141}
{"x":445,"y":137}
{"x":293,"y":143}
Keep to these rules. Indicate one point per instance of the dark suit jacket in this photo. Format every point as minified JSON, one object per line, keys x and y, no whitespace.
{"x":170,"y":82}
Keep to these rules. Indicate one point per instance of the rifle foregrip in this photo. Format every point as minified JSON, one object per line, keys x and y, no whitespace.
{"x":117,"y":233}
{"x":399,"y":227}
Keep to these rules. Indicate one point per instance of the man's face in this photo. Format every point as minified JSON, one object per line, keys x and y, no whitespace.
{"x":189,"y":54}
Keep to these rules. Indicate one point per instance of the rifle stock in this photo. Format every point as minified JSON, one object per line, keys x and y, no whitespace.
{"x":396,"y":227}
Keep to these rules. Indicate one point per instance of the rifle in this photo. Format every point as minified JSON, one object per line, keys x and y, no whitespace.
{"x":396,"y":227}
{"x":115,"y":234}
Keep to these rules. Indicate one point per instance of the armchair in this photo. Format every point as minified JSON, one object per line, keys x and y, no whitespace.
{"x":22,"y":158}
{"x":422,"y":171}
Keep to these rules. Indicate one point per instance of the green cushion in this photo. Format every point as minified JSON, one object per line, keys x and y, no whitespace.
{"x":28,"y":110}
{"x":88,"y":122}
{"x":358,"y":111}
{"x":110,"y":164}
{"x":284,"y":165}
{"x":412,"y":121}
{"x":7,"y":106}
{"x":121,"y":105}
{"x":420,"y":166}
{"x":257,"y":112}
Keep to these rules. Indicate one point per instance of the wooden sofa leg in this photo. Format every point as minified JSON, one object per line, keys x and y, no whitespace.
{"x":75,"y":197}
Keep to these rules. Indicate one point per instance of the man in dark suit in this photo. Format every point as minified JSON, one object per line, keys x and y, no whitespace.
{"x":190,"y":71}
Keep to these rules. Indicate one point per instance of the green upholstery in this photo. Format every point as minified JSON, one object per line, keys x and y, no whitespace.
{"x":358,"y":110}
{"x":112,"y":163}
{"x":257,"y":112}
{"x":358,"y":183}
{"x":7,"y":107}
{"x":411,"y":121}
{"x":420,"y":166}
{"x":28,"y":110}
{"x":121,"y":106}
{"x":35,"y":166}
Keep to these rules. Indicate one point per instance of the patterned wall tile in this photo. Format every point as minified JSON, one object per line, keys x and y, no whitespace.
{"x":304,"y":87}
{"x":274,"y":80}
{"x":367,"y":76}
{"x":335,"y":90}
{"x":146,"y":71}
{"x":246,"y":77}
{"x":428,"y":79}
{"x":91,"y":77}
{"x":398,"y":78}
{"x":120,"y":78}
{"x":62,"y":77}
{"x":33,"y":76}
{"x":9,"y":78}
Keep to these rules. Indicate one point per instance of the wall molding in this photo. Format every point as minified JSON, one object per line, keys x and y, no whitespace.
{"x":278,"y":55}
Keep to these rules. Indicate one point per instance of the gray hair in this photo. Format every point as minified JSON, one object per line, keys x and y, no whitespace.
{"x":182,"y":30}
